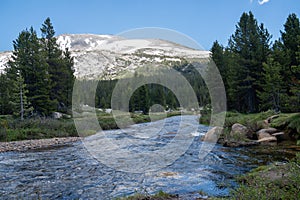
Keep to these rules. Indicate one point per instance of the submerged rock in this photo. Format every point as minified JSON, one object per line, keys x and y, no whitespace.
{"x":240,"y":143}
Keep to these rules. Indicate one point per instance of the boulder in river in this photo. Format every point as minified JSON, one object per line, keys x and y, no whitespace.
{"x":213,"y":134}
{"x":240,"y":131}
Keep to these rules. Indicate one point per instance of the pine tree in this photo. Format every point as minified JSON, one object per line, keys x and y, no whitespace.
{"x":291,"y":48}
{"x":290,"y":37}
{"x":144,"y":99}
{"x":250,"y":47}
{"x":5,"y":88}
{"x":60,"y":67}
{"x":272,"y":89}
{"x":29,"y":61}
{"x":217,"y":55}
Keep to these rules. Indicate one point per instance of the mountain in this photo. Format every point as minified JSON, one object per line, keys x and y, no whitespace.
{"x":4,"y":58}
{"x":110,"y":57}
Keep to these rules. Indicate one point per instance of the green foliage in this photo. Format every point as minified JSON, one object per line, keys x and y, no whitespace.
{"x":288,"y":122}
{"x":6,"y":105}
{"x":272,"y":90}
{"x":291,"y":64}
{"x":253,"y":121}
{"x":36,"y":129}
{"x":145,"y":196}
{"x":257,"y":77}
{"x":140,"y":100}
{"x":60,"y":67}
{"x":39,"y":77}
{"x":250,"y":47}
{"x":271,"y":182}
{"x":205,"y":115}
{"x":30,"y":62}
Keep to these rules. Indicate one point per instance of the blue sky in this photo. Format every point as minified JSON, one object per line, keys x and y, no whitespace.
{"x":203,"y":20}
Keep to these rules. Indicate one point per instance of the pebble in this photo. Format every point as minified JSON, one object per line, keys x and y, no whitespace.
{"x":25,"y":145}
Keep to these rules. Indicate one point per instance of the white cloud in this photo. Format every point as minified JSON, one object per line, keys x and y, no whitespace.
{"x":261,"y":2}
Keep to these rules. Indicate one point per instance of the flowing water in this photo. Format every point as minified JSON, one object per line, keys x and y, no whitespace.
{"x":71,"y":172}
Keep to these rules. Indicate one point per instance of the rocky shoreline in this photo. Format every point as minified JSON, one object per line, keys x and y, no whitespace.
{"x":257,"y":133}
{"x":25,"y":145}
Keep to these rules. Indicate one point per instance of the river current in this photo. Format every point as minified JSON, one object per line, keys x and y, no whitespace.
{"x":73,"y":172}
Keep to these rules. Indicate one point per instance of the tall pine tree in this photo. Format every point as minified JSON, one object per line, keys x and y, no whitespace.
{"x":250,"y":48}
{"x":29,"y":62}
{"x":60,"y":67}
{"x":291,"y":49}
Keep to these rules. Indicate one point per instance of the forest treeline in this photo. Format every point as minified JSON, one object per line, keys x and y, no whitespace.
{"x":39,"y":78}
{"x":258,"y":74}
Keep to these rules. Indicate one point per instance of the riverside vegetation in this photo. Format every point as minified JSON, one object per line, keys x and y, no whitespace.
{"x":39,"y":128}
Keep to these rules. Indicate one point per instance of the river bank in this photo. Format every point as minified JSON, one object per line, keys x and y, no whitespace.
{"x":13,"y":129}
{"x":26,"y":145}
{"x":267,"y":128}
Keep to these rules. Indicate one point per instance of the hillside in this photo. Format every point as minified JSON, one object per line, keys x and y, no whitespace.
{"x":109,"y":57}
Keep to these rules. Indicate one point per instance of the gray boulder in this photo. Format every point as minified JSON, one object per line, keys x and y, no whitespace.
{"x":57,"y":115}
{"x":240,"y":131}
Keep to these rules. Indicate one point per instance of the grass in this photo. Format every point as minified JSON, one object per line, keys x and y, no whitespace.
{"x":271,"y":182}
{"x":158,"y":196}
{"x":14,"y":129}
{"x":39,"y":128}
{"x":287,"y":122}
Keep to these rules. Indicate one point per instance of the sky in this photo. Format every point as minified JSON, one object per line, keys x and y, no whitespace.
{"x":203,"y":20}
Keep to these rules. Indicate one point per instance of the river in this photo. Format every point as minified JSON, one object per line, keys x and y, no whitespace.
{"x":73,"y":172}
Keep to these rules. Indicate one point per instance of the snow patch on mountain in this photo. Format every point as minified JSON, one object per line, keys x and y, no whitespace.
{"x":110,"y":56}
{"x":4,"y":58}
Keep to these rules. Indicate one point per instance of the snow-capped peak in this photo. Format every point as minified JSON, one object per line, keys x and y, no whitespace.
{"x":109,"y":56}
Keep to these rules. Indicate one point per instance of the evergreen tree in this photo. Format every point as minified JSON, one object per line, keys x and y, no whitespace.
{"x":17,"y":92}
{"x":29,"y":61}
{"x":217,"y":55}
{"x":5,"y":101}
{"x":291,"y":42}
{"x":60,"y":67}
{"x":272,"y":89}
{"x":250,"y":46}
{"x":144,"y":99}
{"x":158,"y":95}
{"x":290,"y":38}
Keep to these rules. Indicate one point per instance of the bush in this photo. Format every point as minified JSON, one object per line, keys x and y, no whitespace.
{"x":37,"y":129}
{"x":288,"y":122}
